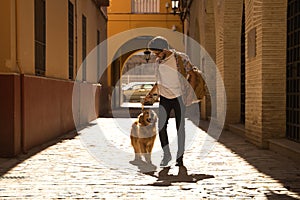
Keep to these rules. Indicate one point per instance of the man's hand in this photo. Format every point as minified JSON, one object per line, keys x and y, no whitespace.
{"x":148,"y":97}
{"x":148,"y":100}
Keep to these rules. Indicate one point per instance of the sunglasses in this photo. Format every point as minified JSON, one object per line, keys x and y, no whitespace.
{"x":156,"y":51}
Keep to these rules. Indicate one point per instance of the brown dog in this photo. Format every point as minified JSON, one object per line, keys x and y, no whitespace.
{"x":143,"y":134}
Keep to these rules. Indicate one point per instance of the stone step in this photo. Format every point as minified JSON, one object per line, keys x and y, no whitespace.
{"x":237,"y":129}
{"x":286,"y":147}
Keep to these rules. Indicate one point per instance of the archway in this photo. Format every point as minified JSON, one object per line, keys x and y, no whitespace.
{"x":122,"y":56}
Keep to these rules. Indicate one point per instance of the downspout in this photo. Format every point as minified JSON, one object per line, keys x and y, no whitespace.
{"x":183,"y":18}
{"x":185,"y":13}
{"x":16,"y":38}
{"x":20,"y":70}
{"x":187,"y":9}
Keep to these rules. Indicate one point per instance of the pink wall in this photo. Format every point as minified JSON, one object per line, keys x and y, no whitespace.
{"x":35,"y":110}
{"x":10,"y":115}
{"x":47,"y":109}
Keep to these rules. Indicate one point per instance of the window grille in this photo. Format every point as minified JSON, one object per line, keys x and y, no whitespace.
{"x":293,"y":71}
{"x":145,"y":6}
{"x":71,"y":41}
{"x":243,"y":72}
{"x":40,"y":37}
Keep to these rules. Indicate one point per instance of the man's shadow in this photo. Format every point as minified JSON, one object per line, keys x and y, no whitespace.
{"x":166,"y":179}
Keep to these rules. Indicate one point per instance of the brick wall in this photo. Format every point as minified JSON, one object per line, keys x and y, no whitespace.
{"x":228,"y":33}
{"x":274,"y":69}
{"x":253,"y":118}
{"x":220,"y":34}
{"x":265,"y":73}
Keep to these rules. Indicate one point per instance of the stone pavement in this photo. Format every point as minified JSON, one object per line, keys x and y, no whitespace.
{"x":66,"y":169}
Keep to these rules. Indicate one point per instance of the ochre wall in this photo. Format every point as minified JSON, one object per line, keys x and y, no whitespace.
{"x":25,"y":33}
{"x":57,"y":39}
{"x":121,"y":19}
{"x":35,"y":109}
{"x":21,"y":36}
{"x":7,"y":36}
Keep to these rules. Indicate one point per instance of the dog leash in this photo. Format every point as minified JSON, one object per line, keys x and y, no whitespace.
{"x":142,"y":102}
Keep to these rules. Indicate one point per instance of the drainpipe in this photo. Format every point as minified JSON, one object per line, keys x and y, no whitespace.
{"x":14,"y":34}
{"x":23,"y":150}
{"x":183,"y":18}
{"x":16,"y":63}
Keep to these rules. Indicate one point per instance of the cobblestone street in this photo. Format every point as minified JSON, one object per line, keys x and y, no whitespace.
{"x":65,"y":169}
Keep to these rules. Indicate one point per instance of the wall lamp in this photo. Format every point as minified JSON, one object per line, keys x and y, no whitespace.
{"x":176,"y":7}
{"x":179,"y":7}
{"x":147,"y":55}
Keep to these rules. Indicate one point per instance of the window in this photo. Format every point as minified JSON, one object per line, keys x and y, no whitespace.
{"x":40,"y":37}
{"x":145,"y":6}
{"x":292,"y":72}
{"x":83,"y":48}
{"x":71,"y":41}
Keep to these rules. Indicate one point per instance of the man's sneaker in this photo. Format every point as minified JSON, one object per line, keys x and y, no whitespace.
{"x":179,"y":162}
{"x":165,"y":161}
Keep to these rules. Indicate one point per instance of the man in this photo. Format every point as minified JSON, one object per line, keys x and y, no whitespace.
{"x":169,"y":86}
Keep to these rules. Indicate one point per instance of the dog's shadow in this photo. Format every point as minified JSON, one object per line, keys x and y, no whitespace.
{"x":144,"y":167}
{"x":166,"y":179}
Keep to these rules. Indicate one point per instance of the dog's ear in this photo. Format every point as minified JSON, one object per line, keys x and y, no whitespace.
{"x":141,"y":118}
{"x":154,"y":116}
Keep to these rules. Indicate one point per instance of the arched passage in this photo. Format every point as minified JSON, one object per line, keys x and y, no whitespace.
{"x":127,"y":50}
{"x":122,"y":46}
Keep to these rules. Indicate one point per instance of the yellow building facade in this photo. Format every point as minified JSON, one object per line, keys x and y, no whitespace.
{"x":130,"y":14}
{"x":43,"y":46}
{"x":132,"y":23}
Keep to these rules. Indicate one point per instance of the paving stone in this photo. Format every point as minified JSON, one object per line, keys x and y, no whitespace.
{"x":234,"y":169}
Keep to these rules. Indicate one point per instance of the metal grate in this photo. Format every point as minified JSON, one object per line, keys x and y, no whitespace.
{"x":40,"y":37}
{"x":243,"y":90}
{"x":145,"y":6}
{"x":71,"y":41}
{"x":293,"y":71}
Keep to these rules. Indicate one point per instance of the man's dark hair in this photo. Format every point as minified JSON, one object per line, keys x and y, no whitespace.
{"x":158,"y":43}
